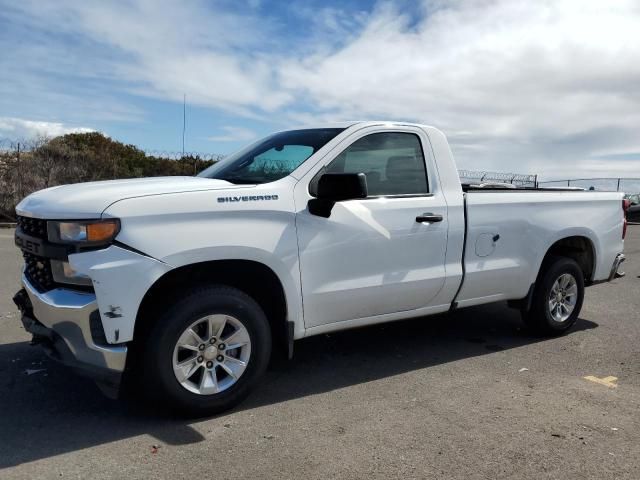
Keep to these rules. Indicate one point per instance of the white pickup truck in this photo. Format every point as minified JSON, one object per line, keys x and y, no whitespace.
{"x":186,"y":284}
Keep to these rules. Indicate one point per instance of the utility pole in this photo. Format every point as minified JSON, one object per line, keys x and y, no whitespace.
{"x":19,"y":173}
{"x":184,"y":130}
{"x":184,"y":120}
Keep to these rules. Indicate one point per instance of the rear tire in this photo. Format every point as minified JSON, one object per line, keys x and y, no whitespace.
{"x":183,"y":348}
{"x":557,"y":298}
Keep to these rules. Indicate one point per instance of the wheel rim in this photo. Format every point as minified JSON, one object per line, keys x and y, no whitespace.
{"x":563,"y":297}
{"x":211,"y":354}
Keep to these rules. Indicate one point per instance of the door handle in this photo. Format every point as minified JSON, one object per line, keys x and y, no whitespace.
{"x":428,"y":217}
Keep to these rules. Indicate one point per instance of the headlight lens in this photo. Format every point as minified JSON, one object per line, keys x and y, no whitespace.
{"x":72,"y":232}
{"x":90,"y":232}
{"x":64,"y":273}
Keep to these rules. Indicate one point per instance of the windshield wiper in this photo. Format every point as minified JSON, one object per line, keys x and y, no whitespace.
{"x":240,"y":180}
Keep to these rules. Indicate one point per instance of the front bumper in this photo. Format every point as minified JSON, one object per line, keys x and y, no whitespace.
{"x":68,"y":326}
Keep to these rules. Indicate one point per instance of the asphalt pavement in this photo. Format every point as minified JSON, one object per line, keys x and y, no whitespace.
{"x":469,"y":395}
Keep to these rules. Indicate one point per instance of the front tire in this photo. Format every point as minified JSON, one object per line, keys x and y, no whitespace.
{"x":206,"y":352}
{"x":557,"y":298}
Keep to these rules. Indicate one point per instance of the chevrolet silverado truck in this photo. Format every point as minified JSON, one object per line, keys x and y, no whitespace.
{"x":187,"y":284}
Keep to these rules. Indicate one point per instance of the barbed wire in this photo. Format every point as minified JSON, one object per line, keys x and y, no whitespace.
{"x":7,"y":146}
{"x":215,"y":157}
{"x":501,"y":177}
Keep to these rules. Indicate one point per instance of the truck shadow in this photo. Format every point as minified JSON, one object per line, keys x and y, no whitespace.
{"x":52,"y":412}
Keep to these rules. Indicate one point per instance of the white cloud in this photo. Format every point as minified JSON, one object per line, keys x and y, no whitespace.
{"x":517,"y":85}
{"x":195,"y":48}
{"x":548,"y":86}
{"x":18,"y":128}
{"x":234,"y":134}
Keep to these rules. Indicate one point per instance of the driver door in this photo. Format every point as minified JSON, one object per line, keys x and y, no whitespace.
{"x":373,"y":256}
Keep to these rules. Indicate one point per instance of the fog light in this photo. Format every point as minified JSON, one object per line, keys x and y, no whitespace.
{"x":63,"y":272}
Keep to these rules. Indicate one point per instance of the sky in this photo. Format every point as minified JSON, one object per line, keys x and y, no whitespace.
{"x":546,"y":87}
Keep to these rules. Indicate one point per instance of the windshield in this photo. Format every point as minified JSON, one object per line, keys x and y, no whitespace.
{"x":271,"y":158}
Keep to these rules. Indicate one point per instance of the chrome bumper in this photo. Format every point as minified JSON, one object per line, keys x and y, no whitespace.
{"x":616,"y":264}
{"x":69,"y":316}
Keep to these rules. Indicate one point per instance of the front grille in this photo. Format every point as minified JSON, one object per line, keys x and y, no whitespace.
{"x":37,"y":269}
{"x":38,"y":272}
{"x":35,"y":227}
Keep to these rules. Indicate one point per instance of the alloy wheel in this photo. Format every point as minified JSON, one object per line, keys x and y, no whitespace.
{"x":211,"y":354}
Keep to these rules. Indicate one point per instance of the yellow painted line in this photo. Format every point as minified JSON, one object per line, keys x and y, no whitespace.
{"x":606,"y":381}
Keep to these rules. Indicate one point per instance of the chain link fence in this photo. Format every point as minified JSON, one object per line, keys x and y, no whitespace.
{"x":607,"y":184}
{"x":211,"y":157}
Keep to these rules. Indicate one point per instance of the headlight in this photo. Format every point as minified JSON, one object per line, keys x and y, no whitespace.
{"x":64,"y":273}
{"x":89,"y":232}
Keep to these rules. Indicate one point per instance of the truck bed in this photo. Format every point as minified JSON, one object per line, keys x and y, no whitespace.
{"x":507,"y":234}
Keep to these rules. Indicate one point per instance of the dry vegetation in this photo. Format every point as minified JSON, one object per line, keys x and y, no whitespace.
{"x":80,"y":157}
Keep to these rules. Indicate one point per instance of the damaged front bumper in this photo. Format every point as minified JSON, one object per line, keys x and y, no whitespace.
{"x":89,"y":331}
{"x":67,"y":325}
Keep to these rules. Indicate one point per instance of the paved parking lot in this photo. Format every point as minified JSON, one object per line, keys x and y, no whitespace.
{"x":469,"y":395}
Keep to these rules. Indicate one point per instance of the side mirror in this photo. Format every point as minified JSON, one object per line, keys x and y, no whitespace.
{"x":336,"y":187}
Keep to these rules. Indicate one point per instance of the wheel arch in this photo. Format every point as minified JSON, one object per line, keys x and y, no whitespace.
{"x":252,"y":277}
{"x":580,"y":247}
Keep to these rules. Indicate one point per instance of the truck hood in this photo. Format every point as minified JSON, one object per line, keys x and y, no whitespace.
{"x":89,"y":200}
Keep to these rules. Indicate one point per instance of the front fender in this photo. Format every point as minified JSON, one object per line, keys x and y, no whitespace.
{"x":120,"y":279}
{"x":285,"y":267}
{"x":194,"y":227}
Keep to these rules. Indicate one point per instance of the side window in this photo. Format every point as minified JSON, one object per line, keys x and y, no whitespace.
{"x":393,"y":163}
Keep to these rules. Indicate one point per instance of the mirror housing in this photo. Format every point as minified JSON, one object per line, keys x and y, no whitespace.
{"x":337,"y":187}
{"x":342,"y":186}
